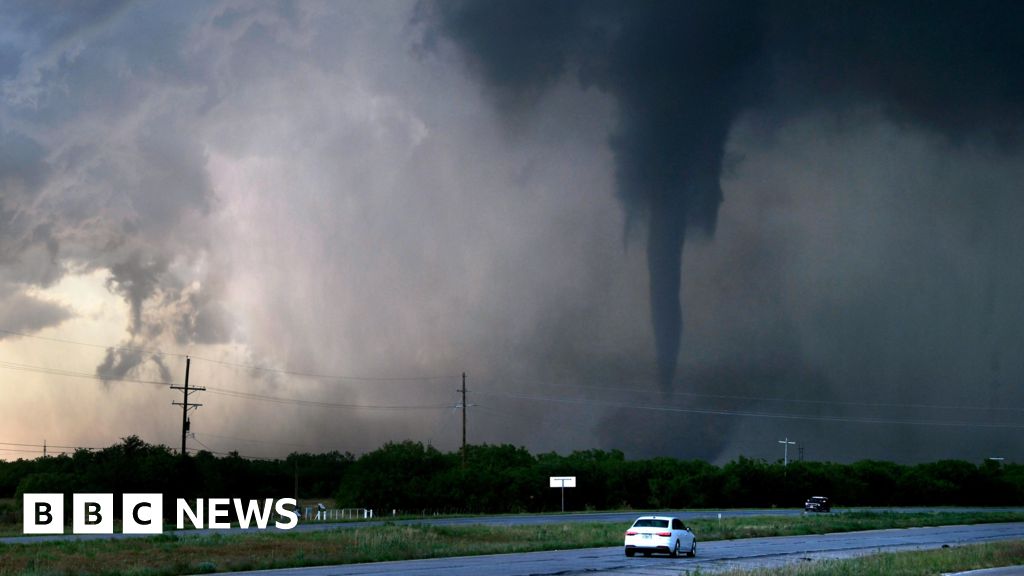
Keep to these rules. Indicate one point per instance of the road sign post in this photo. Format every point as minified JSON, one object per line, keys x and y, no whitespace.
{"x":563,"y":482}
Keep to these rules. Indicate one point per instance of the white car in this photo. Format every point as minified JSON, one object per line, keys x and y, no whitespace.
{"x":664,"y":534}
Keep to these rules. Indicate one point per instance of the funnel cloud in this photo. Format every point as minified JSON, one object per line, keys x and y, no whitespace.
{"x":681,"y":73}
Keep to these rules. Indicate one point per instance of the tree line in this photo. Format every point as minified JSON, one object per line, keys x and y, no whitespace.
{"x":410,"y":477}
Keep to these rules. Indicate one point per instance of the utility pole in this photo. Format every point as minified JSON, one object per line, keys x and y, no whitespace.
{"x":44,"y":447}
{"x":463,"y":390}
{"x":786,"y":443}
{"x":185,"y":404}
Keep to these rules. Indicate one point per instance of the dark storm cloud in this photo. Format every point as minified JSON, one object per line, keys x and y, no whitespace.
{"x":683,"y":72}
{"x":22,"y":164}
{"x":104,"y":171}
{"x":137,"y":280}
{"x":203,"y":319}
{"x":952,"y":66}
{"x":122,"y":363}
{"x":28,"y":248}
{"x":118,"y":363}
{"x":295,"y":186}
{"x":23,"y":313}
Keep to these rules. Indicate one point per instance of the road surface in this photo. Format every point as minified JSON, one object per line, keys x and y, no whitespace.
{"x":502,"y":520}
{"x":711,"y":556}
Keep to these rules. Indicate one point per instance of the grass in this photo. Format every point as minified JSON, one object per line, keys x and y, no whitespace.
{"x":11,"y":517}
{"x":764,"y":526}
{"x":176,"y":554}
{"x":917,"y":563}
{"x":164,"y":555}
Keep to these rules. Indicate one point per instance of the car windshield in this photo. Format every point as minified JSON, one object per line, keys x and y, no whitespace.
{"x":817,"y":499}
{"x":650,"y":523}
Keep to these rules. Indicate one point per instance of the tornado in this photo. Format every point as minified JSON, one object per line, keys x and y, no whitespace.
{"x":664,"y":267}
{"x":681,"y":73}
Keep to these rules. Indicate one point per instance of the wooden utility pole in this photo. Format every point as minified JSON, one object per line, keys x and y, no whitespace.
{"x":185,"y":404}
{"x":463,"y":390}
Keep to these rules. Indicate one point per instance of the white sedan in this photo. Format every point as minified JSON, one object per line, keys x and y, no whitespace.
{"x":664,"y":534}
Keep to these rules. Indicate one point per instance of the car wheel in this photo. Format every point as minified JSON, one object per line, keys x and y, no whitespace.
{"x":693,"y":549}
{"x":630,"y":553}
{"x":675,"y":550}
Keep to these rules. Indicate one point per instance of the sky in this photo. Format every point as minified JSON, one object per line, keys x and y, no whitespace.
{"x":669,"y":228}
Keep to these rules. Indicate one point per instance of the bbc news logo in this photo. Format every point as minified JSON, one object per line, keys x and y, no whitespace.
{"x":143,"y":513}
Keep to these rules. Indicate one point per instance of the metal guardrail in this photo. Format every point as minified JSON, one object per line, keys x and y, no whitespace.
{"x":314,"y":513}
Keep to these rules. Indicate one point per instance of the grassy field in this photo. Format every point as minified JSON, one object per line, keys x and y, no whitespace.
{"x":174,"y":554}
{"x":919,"y":563}
{"x":11,"y":519}
{"x":761,"y":526}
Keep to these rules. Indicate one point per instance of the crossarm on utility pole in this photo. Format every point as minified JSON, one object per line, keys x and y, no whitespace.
{"x":185,"y":404}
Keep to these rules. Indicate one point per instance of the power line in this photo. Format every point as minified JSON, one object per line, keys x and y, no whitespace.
{"x":320,"y":376}
{"x":384,"y":379}
{"x":748,"y":414}
{"x":252,"y":441}
{"x":73,"y":374}
{"x":560,"y":424}
{"x":233,"y":453}
{"x":318,"y":403}
{"x":718,"y":412}
{"x":200,"y":442}
{"x":37,"y":451}
{"x":240,"y":365}
{"x":597,"y":402}
{"x":92,"y":345}
{"x":220,"y":391}
{"x":40,"y":446}
{"x":40,"y":449}
{"x":635,"y":390}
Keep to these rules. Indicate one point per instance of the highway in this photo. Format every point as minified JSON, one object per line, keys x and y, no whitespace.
{"x":711,"y":556}
{"x":503,"y":520}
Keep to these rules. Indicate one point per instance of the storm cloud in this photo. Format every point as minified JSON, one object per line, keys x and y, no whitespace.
{"x":337,"y":209}
{"x":681,"y":74}
{"x":106,"y":175}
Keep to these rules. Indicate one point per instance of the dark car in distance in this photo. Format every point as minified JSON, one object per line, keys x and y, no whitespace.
{"x":817,"y":504}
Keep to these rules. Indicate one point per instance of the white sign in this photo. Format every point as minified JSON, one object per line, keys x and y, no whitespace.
{"x":563,"y":481}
